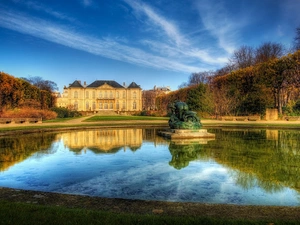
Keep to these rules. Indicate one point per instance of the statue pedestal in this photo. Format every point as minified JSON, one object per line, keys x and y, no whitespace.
{"x":186,"y":134}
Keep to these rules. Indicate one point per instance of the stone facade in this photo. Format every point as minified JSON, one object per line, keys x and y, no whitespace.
{"x":101,"y":95}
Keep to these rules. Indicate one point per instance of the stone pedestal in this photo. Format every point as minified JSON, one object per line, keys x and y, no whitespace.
{"x":186,"y":134}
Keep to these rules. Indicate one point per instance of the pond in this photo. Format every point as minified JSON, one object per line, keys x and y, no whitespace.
{"x":238,"y":166}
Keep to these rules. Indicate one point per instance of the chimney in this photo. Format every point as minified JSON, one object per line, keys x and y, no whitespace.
{"x":84,"y":83}
{"x":79,"y":81}
{"x":124,"y":85}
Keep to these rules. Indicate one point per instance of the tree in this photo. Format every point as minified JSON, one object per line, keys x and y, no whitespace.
{"x":279,"y":74}
{"x":297,"y":39}
{"x":46,"y":85}
{"x":243,"y":57}
{"x":268,"y":51}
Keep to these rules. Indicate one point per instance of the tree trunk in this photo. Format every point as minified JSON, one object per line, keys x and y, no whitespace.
{"x":279,"y":102}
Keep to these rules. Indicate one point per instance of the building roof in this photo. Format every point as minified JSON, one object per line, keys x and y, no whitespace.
{"x":134,"y":85}
{"x":76,"y":83}
{"x":99,"y":83}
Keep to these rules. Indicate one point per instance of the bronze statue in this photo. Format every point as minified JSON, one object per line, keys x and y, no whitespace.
{"x":182,"y":118}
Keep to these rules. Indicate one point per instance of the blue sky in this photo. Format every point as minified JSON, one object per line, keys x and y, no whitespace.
{"x":150,"y":42}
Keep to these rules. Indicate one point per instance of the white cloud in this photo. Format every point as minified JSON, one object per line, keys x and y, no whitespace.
{"x":219,"y":23}
{"x":103,"y":47}
{"x":170,"y":29}
{"x":86,"y":3}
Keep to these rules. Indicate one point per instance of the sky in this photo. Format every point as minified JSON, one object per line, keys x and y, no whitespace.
{"x":149,"y":42}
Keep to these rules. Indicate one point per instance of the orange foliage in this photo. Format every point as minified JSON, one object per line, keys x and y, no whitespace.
{"x":29,"y":113}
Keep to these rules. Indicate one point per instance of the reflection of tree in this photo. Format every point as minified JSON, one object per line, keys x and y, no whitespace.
{"x":14,"y":150}
{"x":274,"y":164}
{"x":183,"y":154}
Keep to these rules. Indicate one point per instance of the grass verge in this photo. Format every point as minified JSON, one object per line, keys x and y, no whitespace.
{"x":29,"y":214}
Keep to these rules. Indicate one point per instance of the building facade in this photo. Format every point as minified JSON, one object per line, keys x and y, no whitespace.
{"x":149,"y":97}
{"x":101,"y":95}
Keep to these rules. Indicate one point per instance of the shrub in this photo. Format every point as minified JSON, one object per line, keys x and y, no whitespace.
{"x":65,"y":113}
{"x":29,"y":113}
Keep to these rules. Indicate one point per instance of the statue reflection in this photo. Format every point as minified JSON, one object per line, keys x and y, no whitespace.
{"x":186,"y":150}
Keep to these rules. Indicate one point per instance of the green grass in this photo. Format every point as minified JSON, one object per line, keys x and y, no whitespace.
{"x":59,"y":120}
{"x":122,"y":118}
{"x":30,"y":214}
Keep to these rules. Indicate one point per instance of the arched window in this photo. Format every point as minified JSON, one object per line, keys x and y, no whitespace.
{"x":134,"y":105}
{"x":75,"y":94}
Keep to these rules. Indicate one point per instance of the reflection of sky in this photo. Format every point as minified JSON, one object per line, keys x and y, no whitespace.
{"x":143,"y":174}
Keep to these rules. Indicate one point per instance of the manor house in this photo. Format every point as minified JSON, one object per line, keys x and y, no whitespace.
{"x":101,"y":95}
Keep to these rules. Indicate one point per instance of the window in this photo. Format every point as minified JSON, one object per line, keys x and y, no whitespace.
{"x":105,"y":94}
{"x":87,"y":106}
{"x":100,"y":105}
{"x":94,"y":105}
{"x":94,"y":94}
{"x":134,"y":105}
{"x":75,"y":94}
{"x":134,"y":95}
{"x":110,"y":105}
{"x":123,"y":107}
{"x":117,"y":94}
{"x":105,"y":106}
{"x":87,"y":94}
{"x":117,"y":106}
{"x":124,"y":95}
{"x":111,"y":94}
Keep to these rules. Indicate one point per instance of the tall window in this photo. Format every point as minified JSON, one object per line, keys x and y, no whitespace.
{"x":100,"y":94}
{"x":117,"y":106}
{"x":94,"y":94}
{"x":110,"y":105}
{"x":111,"y":94}
{"x":105,"y":94}
{"x":123,"y":107}
{"x":134,"y":95}
{"x":87,"y":106}
{"x":117,"y":94}
{"x":87,"y":94}
{"x":134,"y":105}
{"x":94,"y":105}
{"x":100,"y":105}
{"x":75,"y":94}
{"x":124,"y":95}
{"x":105,"y":106}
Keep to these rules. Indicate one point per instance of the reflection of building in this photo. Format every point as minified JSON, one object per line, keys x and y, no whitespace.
{"x":149,"y":97}
{"x":103,"y":140}
{"x":101,"y":95}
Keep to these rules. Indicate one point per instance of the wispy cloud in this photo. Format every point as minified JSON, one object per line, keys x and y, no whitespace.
{"x":169,"y":28}
{"x":219,"y":23}
{"x":46,"y":9}
{"x":103,"y":47}
{"x":86,"y":3}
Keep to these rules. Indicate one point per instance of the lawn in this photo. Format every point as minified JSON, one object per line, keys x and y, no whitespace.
{"x":122,"y":118}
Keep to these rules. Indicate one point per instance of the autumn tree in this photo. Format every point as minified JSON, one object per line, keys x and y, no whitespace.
{"x":42,"y":84}
{"x":243,"y":57}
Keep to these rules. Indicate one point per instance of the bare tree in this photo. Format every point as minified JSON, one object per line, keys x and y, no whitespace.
{"x":268,"y":51}
{"x":243,"y":57}
{"x":46,"y":85}
{"x":297,"y":39}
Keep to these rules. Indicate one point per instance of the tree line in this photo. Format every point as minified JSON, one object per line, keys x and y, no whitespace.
{"x":252,"y":81}
{"x":31,"y":92}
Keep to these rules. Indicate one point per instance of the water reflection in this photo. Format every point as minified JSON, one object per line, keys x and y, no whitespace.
{"x":239,"y":166}
{"x":16,"y":149}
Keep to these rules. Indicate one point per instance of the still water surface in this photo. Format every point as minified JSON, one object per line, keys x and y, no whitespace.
{"x":244,"y":167}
